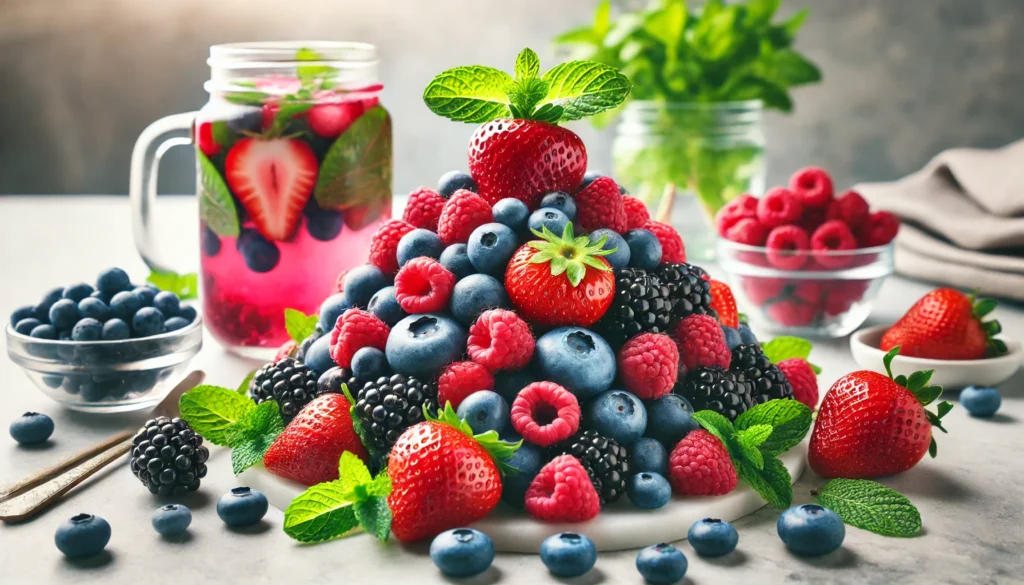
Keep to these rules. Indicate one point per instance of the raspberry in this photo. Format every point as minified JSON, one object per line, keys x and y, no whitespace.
{"x":500,"y":340}
{"x":724,"y":303}
{"x":636,"y":212}
{"x":544,"y":413}
{"x":879,"y":229}
{"x":649,"y":365}
{"x":791,"y":313}
{"x":384,"y":245}
{"x":462,"y":213}
{"x":760,"y":289}
{"x":339,"y":285}
{"x":832,"y":236}
{"x":672,"y":249}
{"x":809,"y":292}
{"x":836,"y":305}
{"x":355,"y":330}
{"x":850,"y":208}
{"x":787,"y":247}
{"x":286,"y":350}
{"x":700,"y":466}
{"x":811,"y":219}
{"x":600,"y":205}
{"x":562,"y":492}
{"x":779,"y":207}
{"x":461,"y":379}
{"x":742,"y":207}
{"x":803,"y":379}
{"x":813,"y":186}
{"x":423,"y":208}
{"x":423,"y":286}
{"x":702,"y":343}
{"x":747,"y":231}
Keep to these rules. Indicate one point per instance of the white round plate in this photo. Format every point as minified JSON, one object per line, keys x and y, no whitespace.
{"x":950,"y":374}
{"x":620,"y":526}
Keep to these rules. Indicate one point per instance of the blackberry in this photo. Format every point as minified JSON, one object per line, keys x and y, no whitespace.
{"x":607,"y":462}
{"x":641,"y":304}
{"x":688,"y":290}
{"x":168,"y":457}
{"x":330,"y":382}
{"x":289,"y":382}
{"x":724,"y":391}
{"x":390,"y":405}
{"x":767,"y":381}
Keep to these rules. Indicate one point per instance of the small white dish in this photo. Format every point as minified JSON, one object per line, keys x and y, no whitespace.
{"x":950,"y":374}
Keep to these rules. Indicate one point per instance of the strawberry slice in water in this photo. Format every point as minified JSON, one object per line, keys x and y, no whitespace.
{"x":274,"y":179}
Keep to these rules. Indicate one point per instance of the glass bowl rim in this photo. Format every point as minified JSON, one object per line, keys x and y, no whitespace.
{"x":731,"y":245}
{"x":196,"y":323}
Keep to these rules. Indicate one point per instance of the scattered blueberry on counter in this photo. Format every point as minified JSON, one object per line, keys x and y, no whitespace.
{"x":980,"y":402}
{"x":568,"y":554}
{"x":172,"y":519}
{"x":811,"y":530}
{"x":32,"y":428}
{"x":83,"y":535}
{"x":462,"y":552}
{"x":661,"y":564}
{"x":242,"y":506}
{"x":712,"y":537}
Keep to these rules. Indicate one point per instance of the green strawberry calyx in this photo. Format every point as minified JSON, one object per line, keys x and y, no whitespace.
{"x":500,"y":451}
{"x":569,"y":91}
{"x":569,"y":254}
{"x":981,"y":308}
{"x":918,"y":385}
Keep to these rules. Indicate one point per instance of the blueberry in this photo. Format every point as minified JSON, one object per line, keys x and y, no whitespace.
{"x":746,"y":335}
{"x":452,"y":181}
{"x":174,"y":324}
{"x":648,"y":490}
{"x":32,"y":428}
{"x":361,"y":283}
{"x":369,"y":363}
{"x":115,"y":330}
{"x":462,"y":552}
{"x":619,"y":415}
{"x":732,"y":337}
{"x":490,"y":248}
{"x":508,"y":384}
{"x":94,"y":308}
{"x":113,"y":281}
{"x":455,"y":259}
{"x":613,"y":241}
{"x":318,"y":357}
{"x":576,"y":358}
{"x":712,"y":537}
{"x":552,"y":219}
{"x":146,"y":294}
{"x":568,"y":554}
{"x":333,"y":307}
{"x":422,"y":345}
{"x":475,"y":294}
{"x":417,"y":243}
{"x":669,"y":419}
{"x":64,"y":314}
{"x":259,"y":254}
{"x":811,"y":530}
{"x":167,"y":303}
{"x":187,"y":313}
{"x":77,"y":292}
{"x":661,"y":564}
{"x":322,"y":224}
{"x":100,"y":296}
{"x":242,"y":507}
{"x":148,"y":321}
{"x":84,"y":535}
{"x":87,"y":329}
{"x":25,"y":326}
{"x":384,"y":304}
{"x":644,"y":249}
{"x":649,"y":454}
{"x":125,"y":304}
{"x":45,"y":332}
{"x":527,"y":460}
{"x":484,"y":411}
{"x":980,"y":402}
{"x":511,"y":212}
{"x":22,"y":313}
{"x":53,"y":381}
{"x":172,"y":519}
{"x":43,"y":308}
{"x":300,"y":352}
{"x":561,"y":201}
{"x":589,"y":177}
{"x":209,"y":241}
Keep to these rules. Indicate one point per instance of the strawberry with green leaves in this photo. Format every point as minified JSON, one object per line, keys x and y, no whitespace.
{"x":946,"y":324}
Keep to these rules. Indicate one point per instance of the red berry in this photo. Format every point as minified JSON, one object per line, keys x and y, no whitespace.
{"x":850,"y":208}
{"x":461,"y":379}
{"x":286,"y":350}
{"x":672,"y":248}
{"x":268,"y":113}
{"x":791,"y":313}
{"x":423,"y":286}
{"x":803,"y":379}
{"x":423,"y":209}
{"x":462,"y":213}
{"x":880,"y":228}
{"x":701,"y":342}
{"x":742,"y":207}
{"x":809,"y":292}
{"x":747,"y":231}
{"x":779,"y":206}
{"x":330,"y":120}
{"x":355,"y":330}
{"x":724,"y":303}
{"x":562,"y":492}
{"x":787,"y":247}
{"x":205,"y":140}
{"x":761,"y":289}
{"x":544,"y":413}
{"x":636,"y":212}
{"x":649,"y":365}
{"x":700,"y":466}
{"x":500,"y":340}
{"x":600,"y":205}
{"x":813,"y":186}
{"x":832,"y":236}
{"x":339,"y":284}
{"x":811,"y":219}
{"x":384,"y":245}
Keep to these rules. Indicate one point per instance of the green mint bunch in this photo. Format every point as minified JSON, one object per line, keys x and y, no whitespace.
{"x":570,"y":91}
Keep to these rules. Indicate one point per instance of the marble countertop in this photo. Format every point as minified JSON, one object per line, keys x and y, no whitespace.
{"x":970,"y":498}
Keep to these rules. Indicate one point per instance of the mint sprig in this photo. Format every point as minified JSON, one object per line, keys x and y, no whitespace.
{"x":357,"y":169}
{"x":870,"y":506}
{"x":216,"y":206}
{"x":251,"y":436}
{"x":243,"y":386}
{"x":186,"y":286}
{"x":299,"y":325}
{"x":926,"y":393}
{"x":786,"y":347}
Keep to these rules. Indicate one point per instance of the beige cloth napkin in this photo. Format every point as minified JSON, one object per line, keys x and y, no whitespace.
{"x":963,"y":219}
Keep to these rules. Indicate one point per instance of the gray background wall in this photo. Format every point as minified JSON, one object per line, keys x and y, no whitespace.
{"x":79,"y":80}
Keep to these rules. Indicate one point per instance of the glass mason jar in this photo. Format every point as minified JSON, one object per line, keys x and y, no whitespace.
{"x":687,"y":160}
{"x":293,"y":158}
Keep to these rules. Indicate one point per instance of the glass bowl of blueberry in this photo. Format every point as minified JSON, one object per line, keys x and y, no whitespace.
{"x":110,"y":347}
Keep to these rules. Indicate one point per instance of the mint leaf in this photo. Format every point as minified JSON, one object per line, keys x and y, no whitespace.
{"x":216,"y":207}
{"x":299,"y":325}
{"x":212,"y":410}
{"x":772,"y":482}
{"x":352,"y":472}
{"x":381,"y":485}
{"x":309,"y":72}
{"x":186,"y":286}
{"x":585,"y":88}
{"x":243,"y":388}
{"x":473,"y":94}
{"x":870,"y":506}
{"x":374,"y":516}
{"x":754,"y":436}
{"x":790,"y":421}
{"x":716,"y":424}
{"x":527,"y":65}
{"x":253,"y":433}
{"x":785,"y":347}
{"x":357,"y":168}
{"x":319,"y":514}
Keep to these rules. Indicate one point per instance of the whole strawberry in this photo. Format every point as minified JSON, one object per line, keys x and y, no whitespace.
{"x":443,"y":477}
{"x":946,"y":324}
{"x":724,"y":303}
{"x":871,"y":425}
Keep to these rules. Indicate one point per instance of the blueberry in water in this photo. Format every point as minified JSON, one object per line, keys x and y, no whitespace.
{"x":259,"y":254}
{"x":568,"y":554}
{"x":361,"y":283}
{"x":452,"y":181}
{"x":422,"y":345}
{"x":475,"y":294}
{"x":322,"y":224}
{"x":115,"y":330}
{"x":187,"y":313}
{"x":644,"y":249}
{"x":125,"y":304}
{"x":147,"y":322}
{"x":174,"y":324}
{"x":811,"y":530}
{"x":648,"y":490}
{"x":242,"y":507}
{"x":87,"y":329}
{"x":649,"y":454}
{"x":77,"y":292}
{"x":508,"y":384}
{"x":455,"y":259}
{"x":332,"y":308}
{"x":419,"y":242}
{"x":146,"y":294}
{"x":484,"y":411}
{"x":94,"y":308}
{"x":64,"y":314}
{"x":661,"y":564}
{"x":490,"y":248}
{"x":561,"y":201}
{"x":577,"y":359}
{"x":712,"y":537}
{"x":613,"y":241}
{"x":552,"y":219}
{"x":43,"y":308}
{"x":513,"y":213}
{"x":318,"y":357}
{"x":113,"y":281}
{"x":384,"y":304}
{"x":210,"y":242}
{"x":245,"y":119}
{"x":369,"y":363}
{"x":618,"y":415}
{"x":669,"y":419}
{"x":22,"y":313}
{"x":45,"y":332}
{"x":980,"y":402}
{"x":527,"y":460}
{"x":31,"y":428}
{"x":84,"y":535}
{"x":172,"y":519}
{"x":462,"y":552}
{"x":167,"y":303}
{"x":25,"y":326}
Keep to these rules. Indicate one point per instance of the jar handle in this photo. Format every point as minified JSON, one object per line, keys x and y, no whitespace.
{"x":153,"y":143}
